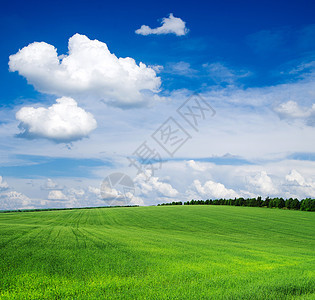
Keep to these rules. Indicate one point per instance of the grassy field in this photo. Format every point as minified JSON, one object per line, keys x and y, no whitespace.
{"x":175,"y":252}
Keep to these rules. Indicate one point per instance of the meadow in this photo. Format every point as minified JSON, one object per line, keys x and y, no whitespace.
{"x":169,"y":252}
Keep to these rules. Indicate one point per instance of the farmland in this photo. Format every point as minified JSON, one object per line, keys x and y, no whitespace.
{"x":170,"y":252}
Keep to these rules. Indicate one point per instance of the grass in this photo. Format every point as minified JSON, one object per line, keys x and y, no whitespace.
{"x":171,"y":252}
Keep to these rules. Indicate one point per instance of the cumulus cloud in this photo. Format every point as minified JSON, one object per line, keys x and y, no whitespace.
{"x":169,"y":25}
{"x":148,"y":184}
{"x":196,"y":166}
{"x":94,"y":190}
{"x":89,"y":70}
{"x":300,"y":186}
{"x":262,"y":183}
{"x":214,"y":190}
{"x":295,"y":176}
{"x":10,"y":199}
{"x":51,"y":185}
{"x":77,"y":193}
{"x":291,"y":110}
{"x":57,"y":195}
{"x":61,"y":122}
{"x":14,"y":200}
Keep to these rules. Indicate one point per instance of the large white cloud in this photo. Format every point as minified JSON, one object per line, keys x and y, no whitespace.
{"x":214,"y":190}
{"x":262,"y":183}
{"x":169,"y":25}
{"x":88,"y":70}
{"x":61,"y":122}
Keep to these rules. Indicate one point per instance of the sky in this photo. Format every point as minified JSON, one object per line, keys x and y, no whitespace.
{"x":119,"y":103}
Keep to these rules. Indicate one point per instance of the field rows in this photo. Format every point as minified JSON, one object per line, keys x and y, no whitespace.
{"x":180,"y":252}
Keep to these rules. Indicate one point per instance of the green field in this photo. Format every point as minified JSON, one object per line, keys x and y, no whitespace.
{"x":174,"y":252}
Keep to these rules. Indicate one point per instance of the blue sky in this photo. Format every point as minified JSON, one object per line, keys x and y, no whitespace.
{"x":68,"y":122}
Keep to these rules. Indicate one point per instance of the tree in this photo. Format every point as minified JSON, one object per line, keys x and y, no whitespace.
{"x":308,"y":204}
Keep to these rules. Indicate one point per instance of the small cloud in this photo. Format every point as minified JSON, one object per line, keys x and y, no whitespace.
{"x":50,"y":185}
{"x":156,"y":68}
{"x":292,"y":111}
{"x":94,"y":190}
{"x":62,"y":122}
{"x":170,"y":25}
{"x":57,"y":195}
{"x":75,"y":193}
{"x":196,"y":166}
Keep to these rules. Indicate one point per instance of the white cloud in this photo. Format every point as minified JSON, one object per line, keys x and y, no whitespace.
{"x":94,"y":190}
{"x":156,"y":68}
{"x":14,"y":200}
{"x":291,"y":110}
{"x":61,"y":122}
{"x":10,"y":199}
{"x":299,"y":186}
{"x":214,"y":190}
{"x":148,"y":184}
{"x":196,"y":166}
{"x":3,"y":184}
{"x":57,"y":195}
{"x":50,"y":185}
{"x":89,"y":70}
{"x":169,"y":25}
{"x":76,"y":193}
{"x":110,"y":193}
{"x":262,"y":183}
{"x":295,"y":176}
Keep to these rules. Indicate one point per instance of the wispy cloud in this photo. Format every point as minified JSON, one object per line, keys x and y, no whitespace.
{"x":220,"y":73}
{"x":181,"y":68}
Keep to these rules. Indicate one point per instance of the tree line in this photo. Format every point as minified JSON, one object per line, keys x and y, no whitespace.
{"x":307,"y":204}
